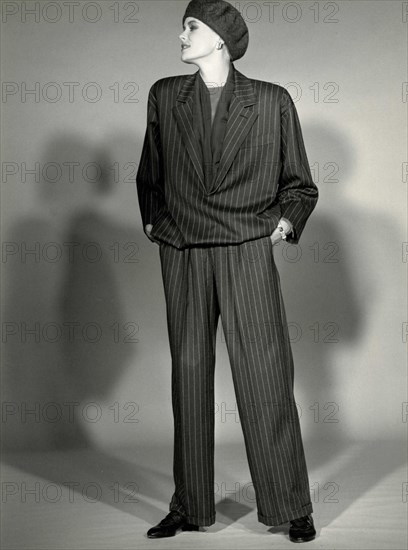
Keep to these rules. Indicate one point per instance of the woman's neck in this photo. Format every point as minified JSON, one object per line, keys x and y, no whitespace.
{"x":215,"y":75}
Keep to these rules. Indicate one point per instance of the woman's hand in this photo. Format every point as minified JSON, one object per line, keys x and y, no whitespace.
{"x":276,"y":236}
{"x":148,"y":228}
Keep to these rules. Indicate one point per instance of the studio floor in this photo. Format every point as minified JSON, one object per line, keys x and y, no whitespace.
{"x":89,"y":498}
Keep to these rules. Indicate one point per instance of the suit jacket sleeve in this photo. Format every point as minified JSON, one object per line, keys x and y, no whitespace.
{"x":297,"y":193}
{"x":149,"y":178}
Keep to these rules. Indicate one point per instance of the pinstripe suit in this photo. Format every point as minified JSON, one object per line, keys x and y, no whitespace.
{"x":217,"y":261}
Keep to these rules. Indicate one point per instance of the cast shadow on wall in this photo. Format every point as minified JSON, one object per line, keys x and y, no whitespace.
{"x":68,"y":298}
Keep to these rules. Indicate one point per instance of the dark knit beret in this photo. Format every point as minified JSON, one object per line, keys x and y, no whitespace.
{"x":223,"y":19}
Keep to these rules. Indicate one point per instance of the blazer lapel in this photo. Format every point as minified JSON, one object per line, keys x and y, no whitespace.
{"x":240,"y":121}
{"x":183,"y":112}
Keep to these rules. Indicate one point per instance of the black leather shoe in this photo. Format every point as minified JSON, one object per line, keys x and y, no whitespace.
{"x":302,"y":529}
{"x":169,"y":526}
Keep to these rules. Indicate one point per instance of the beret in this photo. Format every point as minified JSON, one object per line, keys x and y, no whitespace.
{"x":223,"y":19}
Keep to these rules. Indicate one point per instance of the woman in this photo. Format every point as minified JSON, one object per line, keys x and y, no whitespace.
{"x":223,"y":176}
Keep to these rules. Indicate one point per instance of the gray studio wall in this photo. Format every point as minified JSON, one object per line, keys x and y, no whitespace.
{"x":96,"y":364}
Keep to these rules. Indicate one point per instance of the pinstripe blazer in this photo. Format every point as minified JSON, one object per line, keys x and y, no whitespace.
{"x":263,"y":172}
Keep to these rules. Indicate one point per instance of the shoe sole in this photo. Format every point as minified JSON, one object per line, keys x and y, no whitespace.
{"x":302,"y":539}
{"x":186,"y":527}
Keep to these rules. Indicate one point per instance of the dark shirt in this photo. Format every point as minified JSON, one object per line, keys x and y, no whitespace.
{"x":210,"y":122}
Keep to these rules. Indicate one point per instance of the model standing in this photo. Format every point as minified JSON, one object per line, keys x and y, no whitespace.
{"x":224,"y":176}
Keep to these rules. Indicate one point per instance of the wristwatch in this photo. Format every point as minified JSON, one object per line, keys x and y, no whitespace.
{"x":282,"y":231}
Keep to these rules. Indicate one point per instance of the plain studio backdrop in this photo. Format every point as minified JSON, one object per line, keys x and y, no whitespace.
{"x":85,"y":354}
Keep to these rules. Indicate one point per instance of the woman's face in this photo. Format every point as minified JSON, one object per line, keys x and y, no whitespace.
{"x":197,"y":40}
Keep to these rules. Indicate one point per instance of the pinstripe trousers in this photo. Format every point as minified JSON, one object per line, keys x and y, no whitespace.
{"x":241,"y":284}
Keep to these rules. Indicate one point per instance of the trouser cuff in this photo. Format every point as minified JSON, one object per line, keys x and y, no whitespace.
{"x":284,"y":518}
{"x":202,"y":522}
